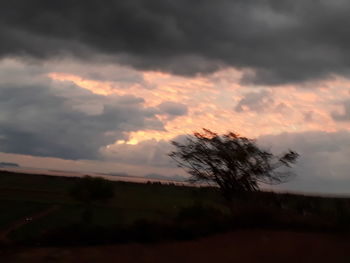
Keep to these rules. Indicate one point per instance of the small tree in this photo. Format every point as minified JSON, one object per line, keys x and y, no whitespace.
{"x":235,"y":163}
{"x":89,"y":190}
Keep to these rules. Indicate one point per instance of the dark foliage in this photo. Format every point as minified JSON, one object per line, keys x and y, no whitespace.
{"x":90,"y":189}
{"x":190,"y":223}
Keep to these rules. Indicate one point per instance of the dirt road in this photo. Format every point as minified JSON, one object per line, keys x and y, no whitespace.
{"x":240,"y":246}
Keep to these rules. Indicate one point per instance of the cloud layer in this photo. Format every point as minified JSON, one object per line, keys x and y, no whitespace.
{"x":323,"y":166}
{"x":44,"y":118}
{"x":117,"y":80}
{"x":281,"y":41}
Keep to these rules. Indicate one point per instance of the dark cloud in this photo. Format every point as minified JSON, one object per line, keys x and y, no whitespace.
{"x":98,"y":71}
{"x":173,"y":109}
{"x":255,"y":101}
{"x":283,"y":41}
{"x":35,"y":120}
{"x":323,"y":166}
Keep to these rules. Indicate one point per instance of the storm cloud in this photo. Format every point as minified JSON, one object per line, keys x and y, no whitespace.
{"x":173,"y":109}
{"x":323,"y":166}
{"x":38,"y":120}
{"x":281,"y":41}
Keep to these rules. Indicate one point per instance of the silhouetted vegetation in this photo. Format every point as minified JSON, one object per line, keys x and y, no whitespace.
{"x":89,"y":190}
{"x":154,"y":212}
{"x":234,"y":163}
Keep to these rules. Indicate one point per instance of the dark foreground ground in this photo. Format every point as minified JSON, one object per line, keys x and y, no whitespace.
{"x":238,"y":246}
{"x":41,"y":222}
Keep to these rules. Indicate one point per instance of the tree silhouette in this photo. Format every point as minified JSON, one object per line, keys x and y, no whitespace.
{"x":235,"y":163}
{"x":89,"y":190}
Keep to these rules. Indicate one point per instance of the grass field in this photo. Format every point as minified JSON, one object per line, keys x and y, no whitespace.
{"x":25,"y":195}
{"x":22,"y":195}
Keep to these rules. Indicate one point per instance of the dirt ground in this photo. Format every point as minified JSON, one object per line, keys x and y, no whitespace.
{"x":239,"y":246}
{"x":23,"y":221}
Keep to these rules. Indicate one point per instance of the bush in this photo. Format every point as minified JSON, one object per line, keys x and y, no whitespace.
{"x":90,"y":189}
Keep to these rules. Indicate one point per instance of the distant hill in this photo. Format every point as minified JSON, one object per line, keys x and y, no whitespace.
{"x":6,"y":164}
{"x":175,"y":177}
{"x":118,"y":174}
{"x":154,"y":176}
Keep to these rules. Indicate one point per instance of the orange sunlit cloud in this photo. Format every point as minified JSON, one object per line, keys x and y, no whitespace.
{"x":101,"y":88}
{"x":211,"y":101}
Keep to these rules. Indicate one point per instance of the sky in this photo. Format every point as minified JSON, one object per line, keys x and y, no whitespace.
{"x":104,"y":86}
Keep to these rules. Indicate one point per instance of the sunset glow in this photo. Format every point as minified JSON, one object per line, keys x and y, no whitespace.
{"x":211,"y":105}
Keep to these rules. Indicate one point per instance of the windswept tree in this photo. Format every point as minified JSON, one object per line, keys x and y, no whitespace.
{"x":235,"y":163}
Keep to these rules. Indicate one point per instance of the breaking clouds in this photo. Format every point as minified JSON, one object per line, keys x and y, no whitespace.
{"x":44,"y":118}
{"x":255,"y":101}
{"x":281,"y":41}
{"x":88,"y":80}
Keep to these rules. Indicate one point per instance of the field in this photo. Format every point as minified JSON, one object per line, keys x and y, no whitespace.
{"x":24,"y":195}
{"x":38,"y":210}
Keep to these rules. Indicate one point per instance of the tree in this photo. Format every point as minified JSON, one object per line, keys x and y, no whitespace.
{"x":235,"y":163}
{"x":89,"y":190}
